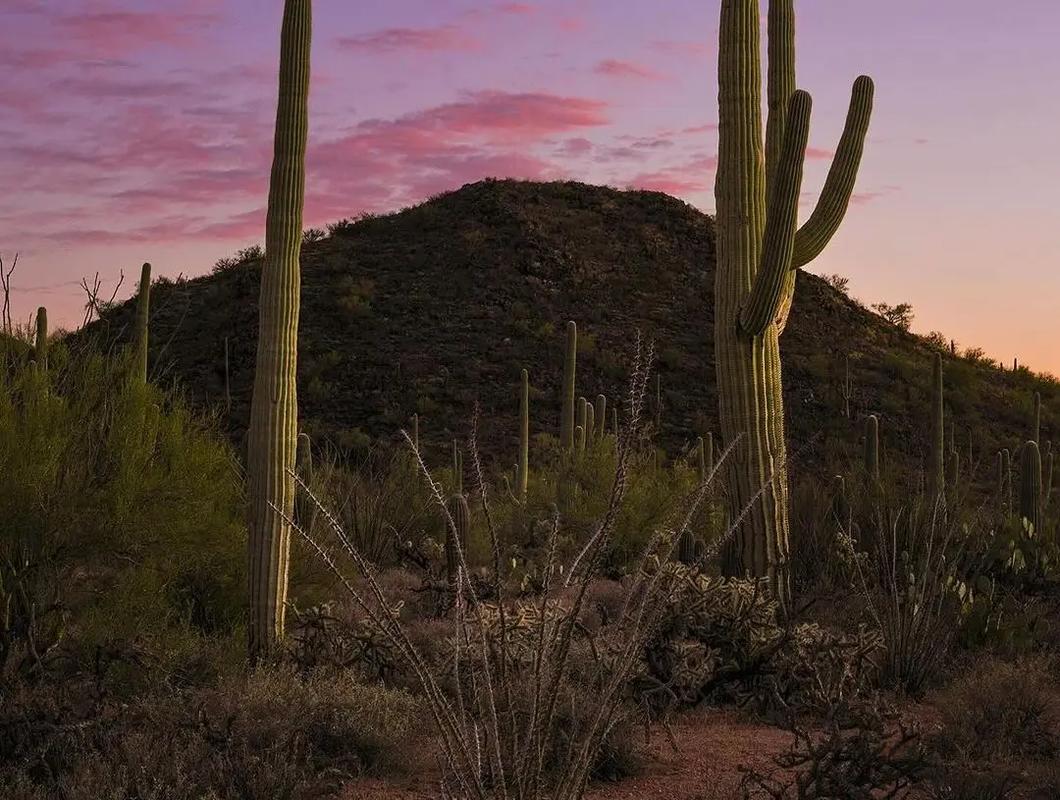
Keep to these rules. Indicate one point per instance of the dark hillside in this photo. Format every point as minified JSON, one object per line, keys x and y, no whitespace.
{"x":431,"y":308}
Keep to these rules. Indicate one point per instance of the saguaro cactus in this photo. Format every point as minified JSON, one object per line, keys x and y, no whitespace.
{"x":872,"y":447}
{"x":304,"y":508}
{"x":1031,"y":488}
{"x":601,"y":416}
{"x":1036,"y":431}
{"x":273,"y":430}
{"x":570,"y":363}
{"x":1005,"y":468}
{"x":456,"y":536}
{"x":40,"y":344}
{"x":524,"y":436}
{"x":143,"y":314}
{"x":759,"y":247}
{"x":936,"y":472}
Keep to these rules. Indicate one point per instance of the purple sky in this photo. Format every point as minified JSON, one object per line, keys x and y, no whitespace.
{"x":141,"y":130}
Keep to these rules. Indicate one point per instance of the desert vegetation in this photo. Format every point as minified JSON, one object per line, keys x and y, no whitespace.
{"x":207,"y":592}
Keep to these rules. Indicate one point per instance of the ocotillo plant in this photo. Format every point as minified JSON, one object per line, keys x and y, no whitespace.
{"x":40,"y":344}
{"x":759,"y":248}
{"x":570,"y":364}
{"x":872,"y":447}
{"x":601,"y":416}
{"x":523,"y":464}
{"x":273,"y":430}
{"x":936,"y":471}
{"x":1031,"y":488}
{"x":143,"y":315}
{"x":456,"y":536}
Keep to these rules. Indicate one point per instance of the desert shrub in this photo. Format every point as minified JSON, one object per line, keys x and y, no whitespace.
{"x":864,"y":752}
{"x":270,"y":734}
{"x":1000,"y":711}
{"x":120,"y":507}
{"x":723,"y":640}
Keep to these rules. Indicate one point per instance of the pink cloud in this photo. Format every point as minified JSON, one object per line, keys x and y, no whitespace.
{"x":628,"y":70}
{"x":517,"y":8}
{"x":122,"y":31}
{"x":424,"y":40}
{"x":682,"y":48}
{"x":695,"y":176}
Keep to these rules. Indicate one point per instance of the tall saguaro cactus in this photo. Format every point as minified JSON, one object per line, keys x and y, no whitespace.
{"x":936,"y":472}
{"x":143,"y":314}
{"x":40,"y":344}
{"x":872,"y":447}
{"x":524,"y":435}
{"x":273,"y":432}
{"x":1031,"y":488}
{"x":566,"y":425}
{"x":760,"y":246}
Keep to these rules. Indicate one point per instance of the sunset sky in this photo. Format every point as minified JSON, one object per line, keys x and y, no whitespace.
{"x":140,"y":130}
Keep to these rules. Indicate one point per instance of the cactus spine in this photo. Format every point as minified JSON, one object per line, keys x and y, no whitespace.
{"x":523,"y":471}
{"x":273,"y":430}
{"x":872,"y":447}
{"x":936,"y":473}
{"x":40,"y":344}
{"x":758,"y":250}
{"x":1031,"y":488}
{"x":570,"y":363}
{"x":457,"y":531}
{"x":143,"y":315}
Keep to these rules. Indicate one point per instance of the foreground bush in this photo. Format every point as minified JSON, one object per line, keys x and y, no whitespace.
{"x":122,"y":512}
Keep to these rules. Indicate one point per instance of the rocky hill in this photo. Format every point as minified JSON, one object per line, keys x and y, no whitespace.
{"x":437,"y":306}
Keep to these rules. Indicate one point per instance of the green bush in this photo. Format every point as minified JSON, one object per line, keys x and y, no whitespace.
{"x":120,"y":507}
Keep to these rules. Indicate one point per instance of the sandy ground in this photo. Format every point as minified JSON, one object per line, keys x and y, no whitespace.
{"x":711,"y":747}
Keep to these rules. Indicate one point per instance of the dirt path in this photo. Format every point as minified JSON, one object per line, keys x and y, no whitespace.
{"x":711,"y":747}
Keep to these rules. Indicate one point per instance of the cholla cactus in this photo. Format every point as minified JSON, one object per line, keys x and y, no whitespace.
{"x":273,"y":431}
{"x":759,"y":248}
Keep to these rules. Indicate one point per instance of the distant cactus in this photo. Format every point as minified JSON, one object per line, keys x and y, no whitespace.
{"x":581,"y":413}
{"x":40,"y":346}
{"x":273,"y":430}
{"x":1005,"y":478}
{"x":143,"y":315}
{"x":457,"y":535}
{"x":579,"y":440}
{"x":590,"y":421}
{"x":936,"y":472}
{"x":458,"y":469}
{"x":567,"y":423}
{"x":953,"y":461}
{"x":759,"y":249}
{"x":1048,"y":475}
{"x":416,"y":431}
{"x":1031,"y":487}
{"x":600,"y":416}
{"x":523,"y":464}
{"x":614,"y":420}
{"x":687,"y":551}
{"x":872,"y":447}
{"x":1036,"y":431}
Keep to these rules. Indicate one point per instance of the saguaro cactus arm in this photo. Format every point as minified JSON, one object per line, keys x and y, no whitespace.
{"x":780,"y":80}
{"x":778,"y":242}
{"x":818,"y":230}
{"x":273,"y":430}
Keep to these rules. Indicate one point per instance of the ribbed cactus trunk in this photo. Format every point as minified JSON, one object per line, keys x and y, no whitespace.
{"x":936,"y":469}
{"x":759,"y":248}
{"x":872,"y":447}
{"x":273,"y":431}
{"x":143,"y":315}
{"x":570,"y":362}
{"x":40,"y":344}
{"x":1031,"y":488}
{"x":524,"y":436}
